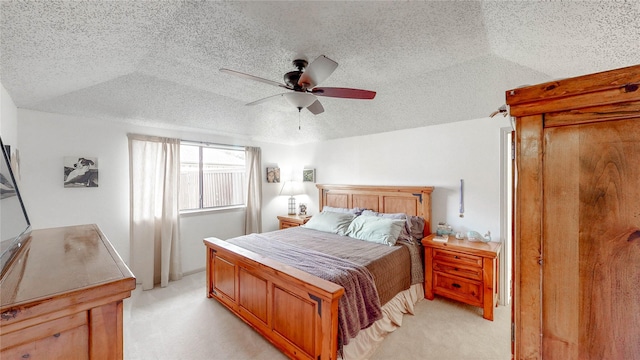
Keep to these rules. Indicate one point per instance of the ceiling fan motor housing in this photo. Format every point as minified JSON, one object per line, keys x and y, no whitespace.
{"x":291,"y":78}
{"x":300,"y":64}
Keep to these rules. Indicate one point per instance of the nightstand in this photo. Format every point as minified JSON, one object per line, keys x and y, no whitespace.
{"x":287,"y":221}
{"x":462,"y":270}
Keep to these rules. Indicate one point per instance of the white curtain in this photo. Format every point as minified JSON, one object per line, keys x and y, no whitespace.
{"x":253,"y":219}
{"x":154,"y":172}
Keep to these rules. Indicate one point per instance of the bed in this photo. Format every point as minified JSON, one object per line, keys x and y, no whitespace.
{"x":296,"y":310}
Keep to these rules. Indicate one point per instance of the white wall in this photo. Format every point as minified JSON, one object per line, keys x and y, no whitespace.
{"x":436,"y":156}
{"x":8,"y":119}
{"x":45,"y":139}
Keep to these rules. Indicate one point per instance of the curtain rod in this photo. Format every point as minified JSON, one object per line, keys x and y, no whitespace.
{"x":193,"y":142}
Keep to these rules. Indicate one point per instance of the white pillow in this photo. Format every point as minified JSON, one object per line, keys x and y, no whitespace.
{"x":376,"y":229}
{"x":331,"y":222}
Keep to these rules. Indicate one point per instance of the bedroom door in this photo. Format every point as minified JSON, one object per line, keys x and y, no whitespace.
{"x":577,"y":217}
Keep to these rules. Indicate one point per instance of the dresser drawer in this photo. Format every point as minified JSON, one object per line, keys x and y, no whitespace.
{"x":454,"y":257}
{"x":63,"y":338}
{"x":457,"y":288}
{"x":462,"y":270}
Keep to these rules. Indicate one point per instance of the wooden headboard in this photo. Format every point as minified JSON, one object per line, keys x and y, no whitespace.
{"x":411,"y":200}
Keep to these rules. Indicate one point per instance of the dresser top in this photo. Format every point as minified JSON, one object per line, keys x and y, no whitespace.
{"x":486,"y":249}
{"x":59,"y":261}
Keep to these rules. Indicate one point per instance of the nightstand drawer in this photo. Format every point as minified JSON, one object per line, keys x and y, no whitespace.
{"x":286,"y":225}
{"x":457,"y":288}
{"x":469,"y":272}
{"x":288,"y":221}
{"x":453,"y":257}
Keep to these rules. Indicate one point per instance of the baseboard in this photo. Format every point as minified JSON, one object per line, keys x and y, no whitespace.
{"x":193,"y":271}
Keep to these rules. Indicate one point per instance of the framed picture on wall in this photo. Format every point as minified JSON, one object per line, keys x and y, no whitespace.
{"x":273,"y":174}
{"x":80,"y":171}
{"x":309,"y":175}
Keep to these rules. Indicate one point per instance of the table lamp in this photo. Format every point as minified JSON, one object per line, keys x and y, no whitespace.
{"x":291,"y":188}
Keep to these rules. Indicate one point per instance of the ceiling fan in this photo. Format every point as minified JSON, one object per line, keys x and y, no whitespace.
{"x":302,"y":84}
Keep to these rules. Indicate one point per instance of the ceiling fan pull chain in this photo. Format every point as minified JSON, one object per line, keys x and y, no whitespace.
{"x":299,"y":110}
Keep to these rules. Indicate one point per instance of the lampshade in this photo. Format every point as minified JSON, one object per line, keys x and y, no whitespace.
{"x":291,"y":188}
{"x":300,"y":99}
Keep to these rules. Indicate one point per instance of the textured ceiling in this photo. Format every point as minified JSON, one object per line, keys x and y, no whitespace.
{"x":156,"y":63}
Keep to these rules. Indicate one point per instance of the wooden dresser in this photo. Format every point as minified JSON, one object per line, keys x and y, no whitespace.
{"x":287,"y":221}
{"x":62,"y":297}
{"x":577,"y":217}
{"x":462,"y":270}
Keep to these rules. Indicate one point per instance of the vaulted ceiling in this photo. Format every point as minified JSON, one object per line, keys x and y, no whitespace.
{"x":156,"y":63}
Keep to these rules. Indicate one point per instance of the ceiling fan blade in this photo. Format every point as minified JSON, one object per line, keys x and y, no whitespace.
{"x":318,"y":71}
{"x":345,"y":93}
{"x":263,"y":100}
{"x":316,"y":108}
{"x":255,"y":78}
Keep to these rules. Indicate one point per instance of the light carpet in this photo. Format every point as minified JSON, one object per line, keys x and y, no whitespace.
{"x":180,"y":322}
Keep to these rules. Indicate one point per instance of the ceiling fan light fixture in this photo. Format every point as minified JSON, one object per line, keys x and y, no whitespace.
{"x":300,"y":99}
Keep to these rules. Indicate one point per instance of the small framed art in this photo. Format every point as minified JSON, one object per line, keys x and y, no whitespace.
{"x":80,"y":171}
{"x":309,"y":175}
{"x":273,"y":174}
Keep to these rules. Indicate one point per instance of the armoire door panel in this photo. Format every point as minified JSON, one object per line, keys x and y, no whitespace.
{"x":591,"y":268}
{"x":560,"y":243}
{"x":527,"y":240}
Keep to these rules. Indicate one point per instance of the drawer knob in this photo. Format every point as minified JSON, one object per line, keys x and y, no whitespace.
{"x":457,"y":286}
{"x":456,"y":257}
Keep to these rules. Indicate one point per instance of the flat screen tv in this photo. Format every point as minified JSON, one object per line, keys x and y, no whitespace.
{"x":15,"y":227}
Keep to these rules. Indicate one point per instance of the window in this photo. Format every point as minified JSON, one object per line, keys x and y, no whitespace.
{"x":211,"y":176}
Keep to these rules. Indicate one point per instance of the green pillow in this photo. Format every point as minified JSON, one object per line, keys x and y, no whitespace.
{"x":376,"y":229}
{"x":331,"y":222}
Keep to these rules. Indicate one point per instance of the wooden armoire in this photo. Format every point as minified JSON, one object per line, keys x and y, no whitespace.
{"x":577,"y":217}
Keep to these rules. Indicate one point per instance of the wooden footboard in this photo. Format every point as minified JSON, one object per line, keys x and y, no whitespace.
{"x":295,"y":311}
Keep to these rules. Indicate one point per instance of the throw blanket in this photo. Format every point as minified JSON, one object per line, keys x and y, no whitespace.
{"x":416,"y":252}
{"x":359,"y":307}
